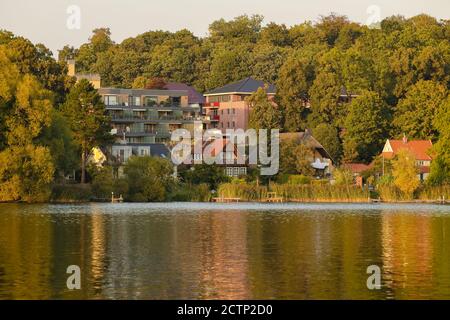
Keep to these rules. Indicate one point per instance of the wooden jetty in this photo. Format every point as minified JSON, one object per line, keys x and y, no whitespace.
{"x":226,"y":200}
{"x":272,"y":197}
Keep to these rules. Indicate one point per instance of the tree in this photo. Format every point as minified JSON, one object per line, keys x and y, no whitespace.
{"x":88,"y":120}
{"x":26,"y":173}
{"x":331,"y":26}
{"x":59,"y":139}
{"x":295,"y":158}
{"x":366,"y":127}
{"x":440,"y":166}
{"x":404,"y":171}
{"x":264,"y":113}
{"x":294,"y":81}
{"x":328,"y":136}
{"x":242,"y":28}
{"x":148,"y":178}
{"x":26,"y":169}
{"x":416,"y":112}
{"x":204,"y":173}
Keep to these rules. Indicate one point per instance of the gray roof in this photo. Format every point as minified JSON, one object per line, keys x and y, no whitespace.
{"x":194,"y":96}
{"x":247,"y":85}
{"x":156,"y":149}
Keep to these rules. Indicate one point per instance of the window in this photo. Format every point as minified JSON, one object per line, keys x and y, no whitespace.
{"x":234,"y":111}
{"x":135,"y":101}
{"x":233,"y":124}
{"x":223,"y":98}
{"x":111,"y":100}
{"x":176,"y":101}
{"x":228,"y":111}
{"x":228,"y":124}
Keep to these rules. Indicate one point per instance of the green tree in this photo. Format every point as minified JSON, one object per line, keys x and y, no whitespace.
{"x":328,"y":136}
{"x":440,"y":166}
{"x":295,"y":158}
{"x":88,"y":120}
{"x":264,"y":113}
{"x":415,"y":113}
{"x":204,"y":173}
{"x":148,"y":178}
{"x":294,"y":81}
{"x":366,"y":127}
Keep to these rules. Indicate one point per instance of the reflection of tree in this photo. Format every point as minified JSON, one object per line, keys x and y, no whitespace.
{"x":408,"y":251}
{"x":25,"y":254}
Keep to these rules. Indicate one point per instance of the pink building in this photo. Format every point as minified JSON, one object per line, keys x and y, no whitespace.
{"x":226,"y":106}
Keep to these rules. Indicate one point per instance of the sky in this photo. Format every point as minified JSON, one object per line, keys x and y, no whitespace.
{"x":50,"y":23}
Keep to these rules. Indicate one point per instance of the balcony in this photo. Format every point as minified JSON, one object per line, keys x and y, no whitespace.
{"x":144,"y":133}
{"x":156,"y":119}
{"x":212,"y":105}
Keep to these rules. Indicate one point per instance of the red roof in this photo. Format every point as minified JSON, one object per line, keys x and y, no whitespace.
{"x":419,"y":148}
{"x":357,"y":167}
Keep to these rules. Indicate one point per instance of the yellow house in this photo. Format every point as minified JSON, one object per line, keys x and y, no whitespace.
{"x":93,"y":78}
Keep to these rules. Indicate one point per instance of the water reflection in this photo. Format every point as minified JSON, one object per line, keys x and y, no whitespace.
{"x":166,"y":251}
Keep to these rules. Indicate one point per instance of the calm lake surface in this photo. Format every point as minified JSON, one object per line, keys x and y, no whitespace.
{"x":224,"y":251}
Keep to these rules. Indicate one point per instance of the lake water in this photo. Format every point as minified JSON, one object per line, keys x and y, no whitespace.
{"x":224,"y":251}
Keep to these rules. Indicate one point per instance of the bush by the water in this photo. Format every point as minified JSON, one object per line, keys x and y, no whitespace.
{"x":71,"y":193}
{"x":189,"y":192}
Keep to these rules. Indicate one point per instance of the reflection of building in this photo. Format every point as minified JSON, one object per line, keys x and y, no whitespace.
{"x":226,"y":106}
{"x":419,"y":148}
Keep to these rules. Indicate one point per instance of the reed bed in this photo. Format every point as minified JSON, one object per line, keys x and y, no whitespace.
{"x":295,"y":193}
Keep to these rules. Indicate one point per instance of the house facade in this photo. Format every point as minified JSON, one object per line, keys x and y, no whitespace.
{"x":143,"y":117}
{"x":226,"y":108}
{"x":419,"y":148}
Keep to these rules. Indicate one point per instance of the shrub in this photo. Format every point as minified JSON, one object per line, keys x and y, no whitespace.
{"x":71,"y":193}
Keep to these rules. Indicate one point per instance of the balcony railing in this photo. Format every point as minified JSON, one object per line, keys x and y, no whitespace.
{"x":160,"y":118}
{"x":133,"y":133}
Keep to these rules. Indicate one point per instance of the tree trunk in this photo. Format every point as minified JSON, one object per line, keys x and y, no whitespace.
{"x":83,"y":163}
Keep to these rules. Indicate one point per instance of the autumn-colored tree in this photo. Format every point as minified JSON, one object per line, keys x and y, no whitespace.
{"x":404,"y":171}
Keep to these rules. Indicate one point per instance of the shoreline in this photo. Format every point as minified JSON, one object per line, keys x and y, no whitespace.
{"x":293,"y":201}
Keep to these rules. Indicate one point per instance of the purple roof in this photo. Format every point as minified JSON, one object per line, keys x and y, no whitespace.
{"x":194,"y":96}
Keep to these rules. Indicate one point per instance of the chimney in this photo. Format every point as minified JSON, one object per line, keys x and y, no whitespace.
{"x":71,"y":72}
{"x":405,"y":139}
